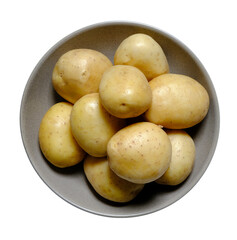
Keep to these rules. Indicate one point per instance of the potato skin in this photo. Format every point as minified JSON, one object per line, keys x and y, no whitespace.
{"x":140,"y":152}
{"x":183,"y":158}
{"x":124,"y":91}
{"x":142,"y":51}
{"x":178,"y":101}
{"x":92,"y":126}
{"x":55,"y":138}
{"x":106,"y":183}
{"x":78,"y":72}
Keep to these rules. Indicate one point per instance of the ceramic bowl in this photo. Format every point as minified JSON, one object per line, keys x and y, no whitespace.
{"x":71,"y":184}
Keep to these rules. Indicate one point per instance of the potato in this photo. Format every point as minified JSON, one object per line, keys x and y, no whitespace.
{"x":92,"y":126}
{"x":178,"y":101}
{"x":124,"y":91}
{"x":183,"y":157}
{"x":106,"y":183}
{"x":78,"y":72}
{"x":55,"y":138}
{"x":139,"y":153}
{"x":142,"y":51}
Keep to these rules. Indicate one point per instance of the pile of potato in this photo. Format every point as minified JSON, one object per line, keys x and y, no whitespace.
{"x":125,"y":121}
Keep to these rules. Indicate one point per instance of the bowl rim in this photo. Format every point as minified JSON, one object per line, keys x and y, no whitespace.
{"x":145,"y":26}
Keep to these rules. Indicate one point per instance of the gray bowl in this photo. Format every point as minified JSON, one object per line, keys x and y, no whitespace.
{"x":70,"y":184}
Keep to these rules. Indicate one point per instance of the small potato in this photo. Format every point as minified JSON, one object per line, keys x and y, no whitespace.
{"x":125,"y":92}
{"x":178,"y":101}
{"x":55,"y":138}
{"x":183,"y":157}
{"x":92,"y":126}
{"x":78,"y":72}
{"x":142,"y":51}
{"x":106,"y":183}
{"x":139,"y":153}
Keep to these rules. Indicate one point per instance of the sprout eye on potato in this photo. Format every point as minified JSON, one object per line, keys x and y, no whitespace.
{"x":124,"y":91}
{"x":78,"y":72}
{"x":103,"y":103}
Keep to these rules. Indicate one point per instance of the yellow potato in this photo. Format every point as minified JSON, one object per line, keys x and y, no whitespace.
{"x":140,"y":152}
{"x":78,"y":72}
{"x":183,"y":157}
{"x":106,"y":183}
{"x":142,"y":51}
{"x":55,"y":138}
{"x":92,"y":126}
{"x":124,"y":91}
{"x":178,"y":101}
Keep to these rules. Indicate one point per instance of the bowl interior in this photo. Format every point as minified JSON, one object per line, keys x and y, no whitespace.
{"x":71,"y":184}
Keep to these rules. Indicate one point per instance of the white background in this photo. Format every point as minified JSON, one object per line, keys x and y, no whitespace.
{"x":28,"y":208}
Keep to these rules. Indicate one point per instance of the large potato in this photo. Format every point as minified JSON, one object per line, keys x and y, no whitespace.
{"x":55,"y":138}
{"x":140,"y":152}
{"x":124,"y":91}
{"x":183,"y":157}
{"x":178,"y":101}
{"x":78,"y":72}
{"x":142,"y":51}
{"x":106,"y":183}
{"x":92,"y":126}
